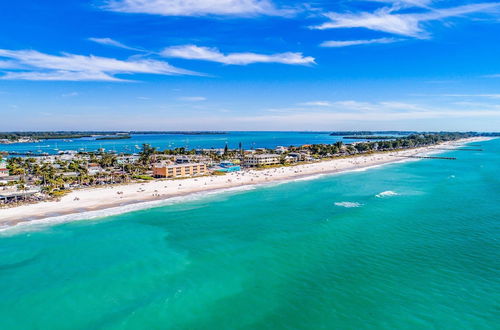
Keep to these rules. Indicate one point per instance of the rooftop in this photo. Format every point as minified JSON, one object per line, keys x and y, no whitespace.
{"x":264,"y":156}
{"x":160,"y":165}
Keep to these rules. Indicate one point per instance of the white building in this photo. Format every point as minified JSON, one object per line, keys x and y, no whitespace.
{"x":262,"y":160}
{"x":281,"y":149}
{"x":127,"y":159}
{"x":3,"y":170}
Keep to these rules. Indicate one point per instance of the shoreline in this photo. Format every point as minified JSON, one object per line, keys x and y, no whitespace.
{"x":136,"y":196}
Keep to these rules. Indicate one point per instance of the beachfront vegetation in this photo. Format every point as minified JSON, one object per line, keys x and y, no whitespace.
{"x":410,"y":141}
{"x":54,"y":175}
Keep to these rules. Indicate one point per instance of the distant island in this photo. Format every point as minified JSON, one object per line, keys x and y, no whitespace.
{"x":56,"y":135}
{"x":116,"y":137}
{"x":369,"y":137}
{"x":33,"y":137}
{"x":382,"y":135}
{"x":365,"y":133}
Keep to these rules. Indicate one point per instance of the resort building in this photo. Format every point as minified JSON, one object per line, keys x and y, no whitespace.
{"x":163,"y":170}
{"x":219,"y":152}
{"x":3,"y":170}
{"x":301,"y":156}
{"x":94,"y":168}
{"x":262,"y":160}
{"x":130,"y":159}
{"x":184,"y":159}
{"x":280,"y":149}
{"x":7,"y":196}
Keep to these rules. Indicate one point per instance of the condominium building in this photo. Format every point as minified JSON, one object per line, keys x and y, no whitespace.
{"x":179,"y":170}
{"x":185,"y":159}
{"x":262,"y":160}
{"x":3,"y":170}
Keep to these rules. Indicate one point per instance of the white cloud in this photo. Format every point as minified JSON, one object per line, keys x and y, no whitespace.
{"x":72,"y":94}
{"x":489,"y":96}
{"x":347,"y":43}
{"x":193,"y":98}
{"x":316,"y":104}
{"x":352,"y":106}
{"x":196,"y":7}
{"x":8,"y":65}
{"x":112,"y":42}
{"x":387,"y":111}
{"x":407,"y":3}
{"x":193,"y":52}
{"x":59,"y":76}
{"x":323,"y":117}
{"x":34,"y":65}
{"x":407,"y":24}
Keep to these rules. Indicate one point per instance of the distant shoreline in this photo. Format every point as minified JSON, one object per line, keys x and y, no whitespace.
{"x":80,"y":202}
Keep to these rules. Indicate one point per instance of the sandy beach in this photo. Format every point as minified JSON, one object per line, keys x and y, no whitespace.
{"x":94,"y":199}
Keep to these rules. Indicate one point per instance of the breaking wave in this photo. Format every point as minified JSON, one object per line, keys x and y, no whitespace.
{"x":348,"y":204}
{"x":388,"y":193}
{"x":34,"y":225}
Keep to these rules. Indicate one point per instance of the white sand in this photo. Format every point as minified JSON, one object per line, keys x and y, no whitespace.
{"x":107,"y":197}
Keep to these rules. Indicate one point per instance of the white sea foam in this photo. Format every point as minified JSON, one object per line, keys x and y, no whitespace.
{"x":90,"y":215}
{"x":388,"y":193}
{"x":348,"y":204}
{"x":35,"y":225}
{"x":367,"y":168}
{"x":309,"y":177}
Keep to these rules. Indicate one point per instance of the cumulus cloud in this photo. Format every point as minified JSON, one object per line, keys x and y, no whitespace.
{"x":196,"y":7}
{"x":388,"y":20}
{"x":347,"y":43}
{"x":34,"y":65}
{"x":193,"y":52}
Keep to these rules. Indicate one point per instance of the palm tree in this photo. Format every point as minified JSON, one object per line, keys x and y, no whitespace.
{"x":146,"y":153}
{"x":107,"y":160}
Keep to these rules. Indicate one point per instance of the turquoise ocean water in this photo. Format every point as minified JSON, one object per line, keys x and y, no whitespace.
{"x":325,"y":253}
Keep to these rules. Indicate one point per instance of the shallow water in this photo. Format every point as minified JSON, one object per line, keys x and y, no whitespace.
{"x":412,"y":245}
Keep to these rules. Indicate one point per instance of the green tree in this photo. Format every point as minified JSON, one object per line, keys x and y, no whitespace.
{"x":146,"y":153}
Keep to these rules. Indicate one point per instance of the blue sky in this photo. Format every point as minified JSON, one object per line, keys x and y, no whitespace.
{"x":249,"y":65}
